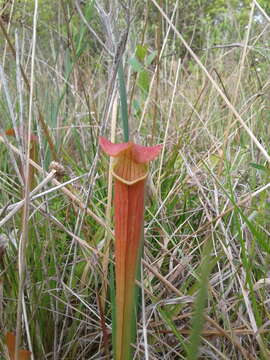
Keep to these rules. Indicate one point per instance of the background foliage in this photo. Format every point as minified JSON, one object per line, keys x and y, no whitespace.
{"x":204,"y":289}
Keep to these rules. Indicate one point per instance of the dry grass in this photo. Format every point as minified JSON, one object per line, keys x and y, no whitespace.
{"x":205,"y":279}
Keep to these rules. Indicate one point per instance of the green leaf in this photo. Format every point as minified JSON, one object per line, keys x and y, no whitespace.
{"x":135,"y":64}
{"x":143,"y":81}
{"x":258,"y":166}
{"x":141,"y":52}
{"x":167,"y":318}
{"x":198,"y":318}
{"x":112,"y":298}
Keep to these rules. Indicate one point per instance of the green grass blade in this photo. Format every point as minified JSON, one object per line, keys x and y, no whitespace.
{"x":199,"y":305}
{"x":123,"y":100}
{"x":112,"y":297}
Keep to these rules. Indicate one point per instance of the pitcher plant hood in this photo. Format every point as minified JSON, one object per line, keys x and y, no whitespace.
{"x":131,"y":164}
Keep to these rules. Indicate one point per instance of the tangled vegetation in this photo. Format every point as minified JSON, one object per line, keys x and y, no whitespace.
{"x":197,"y":81}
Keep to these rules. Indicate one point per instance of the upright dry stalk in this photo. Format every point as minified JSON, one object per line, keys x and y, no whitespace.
{"x":108,"y":237}
{"x":25,"y":223}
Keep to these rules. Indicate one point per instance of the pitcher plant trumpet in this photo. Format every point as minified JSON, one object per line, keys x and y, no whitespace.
{"x":130,"y":172}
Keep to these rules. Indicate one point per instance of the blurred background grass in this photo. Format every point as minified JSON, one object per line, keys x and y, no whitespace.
{"x":206,"y":258}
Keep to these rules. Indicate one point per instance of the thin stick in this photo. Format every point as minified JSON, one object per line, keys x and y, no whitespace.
{"x":262,"y":10}
{"x":168,"y":123}
{"x":8,"y":28}
{"x":215,"y":85}
{"x":239,"y":77}
{"x":26,"y":81}
{"x":25,"y":221}
{"x":108,"y":236}
{"x":144,"y":320}
{"x":170,"y":286}
{"x":16,"y":207}
{"x":156,"y":68}
{"x":66,"y":191}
